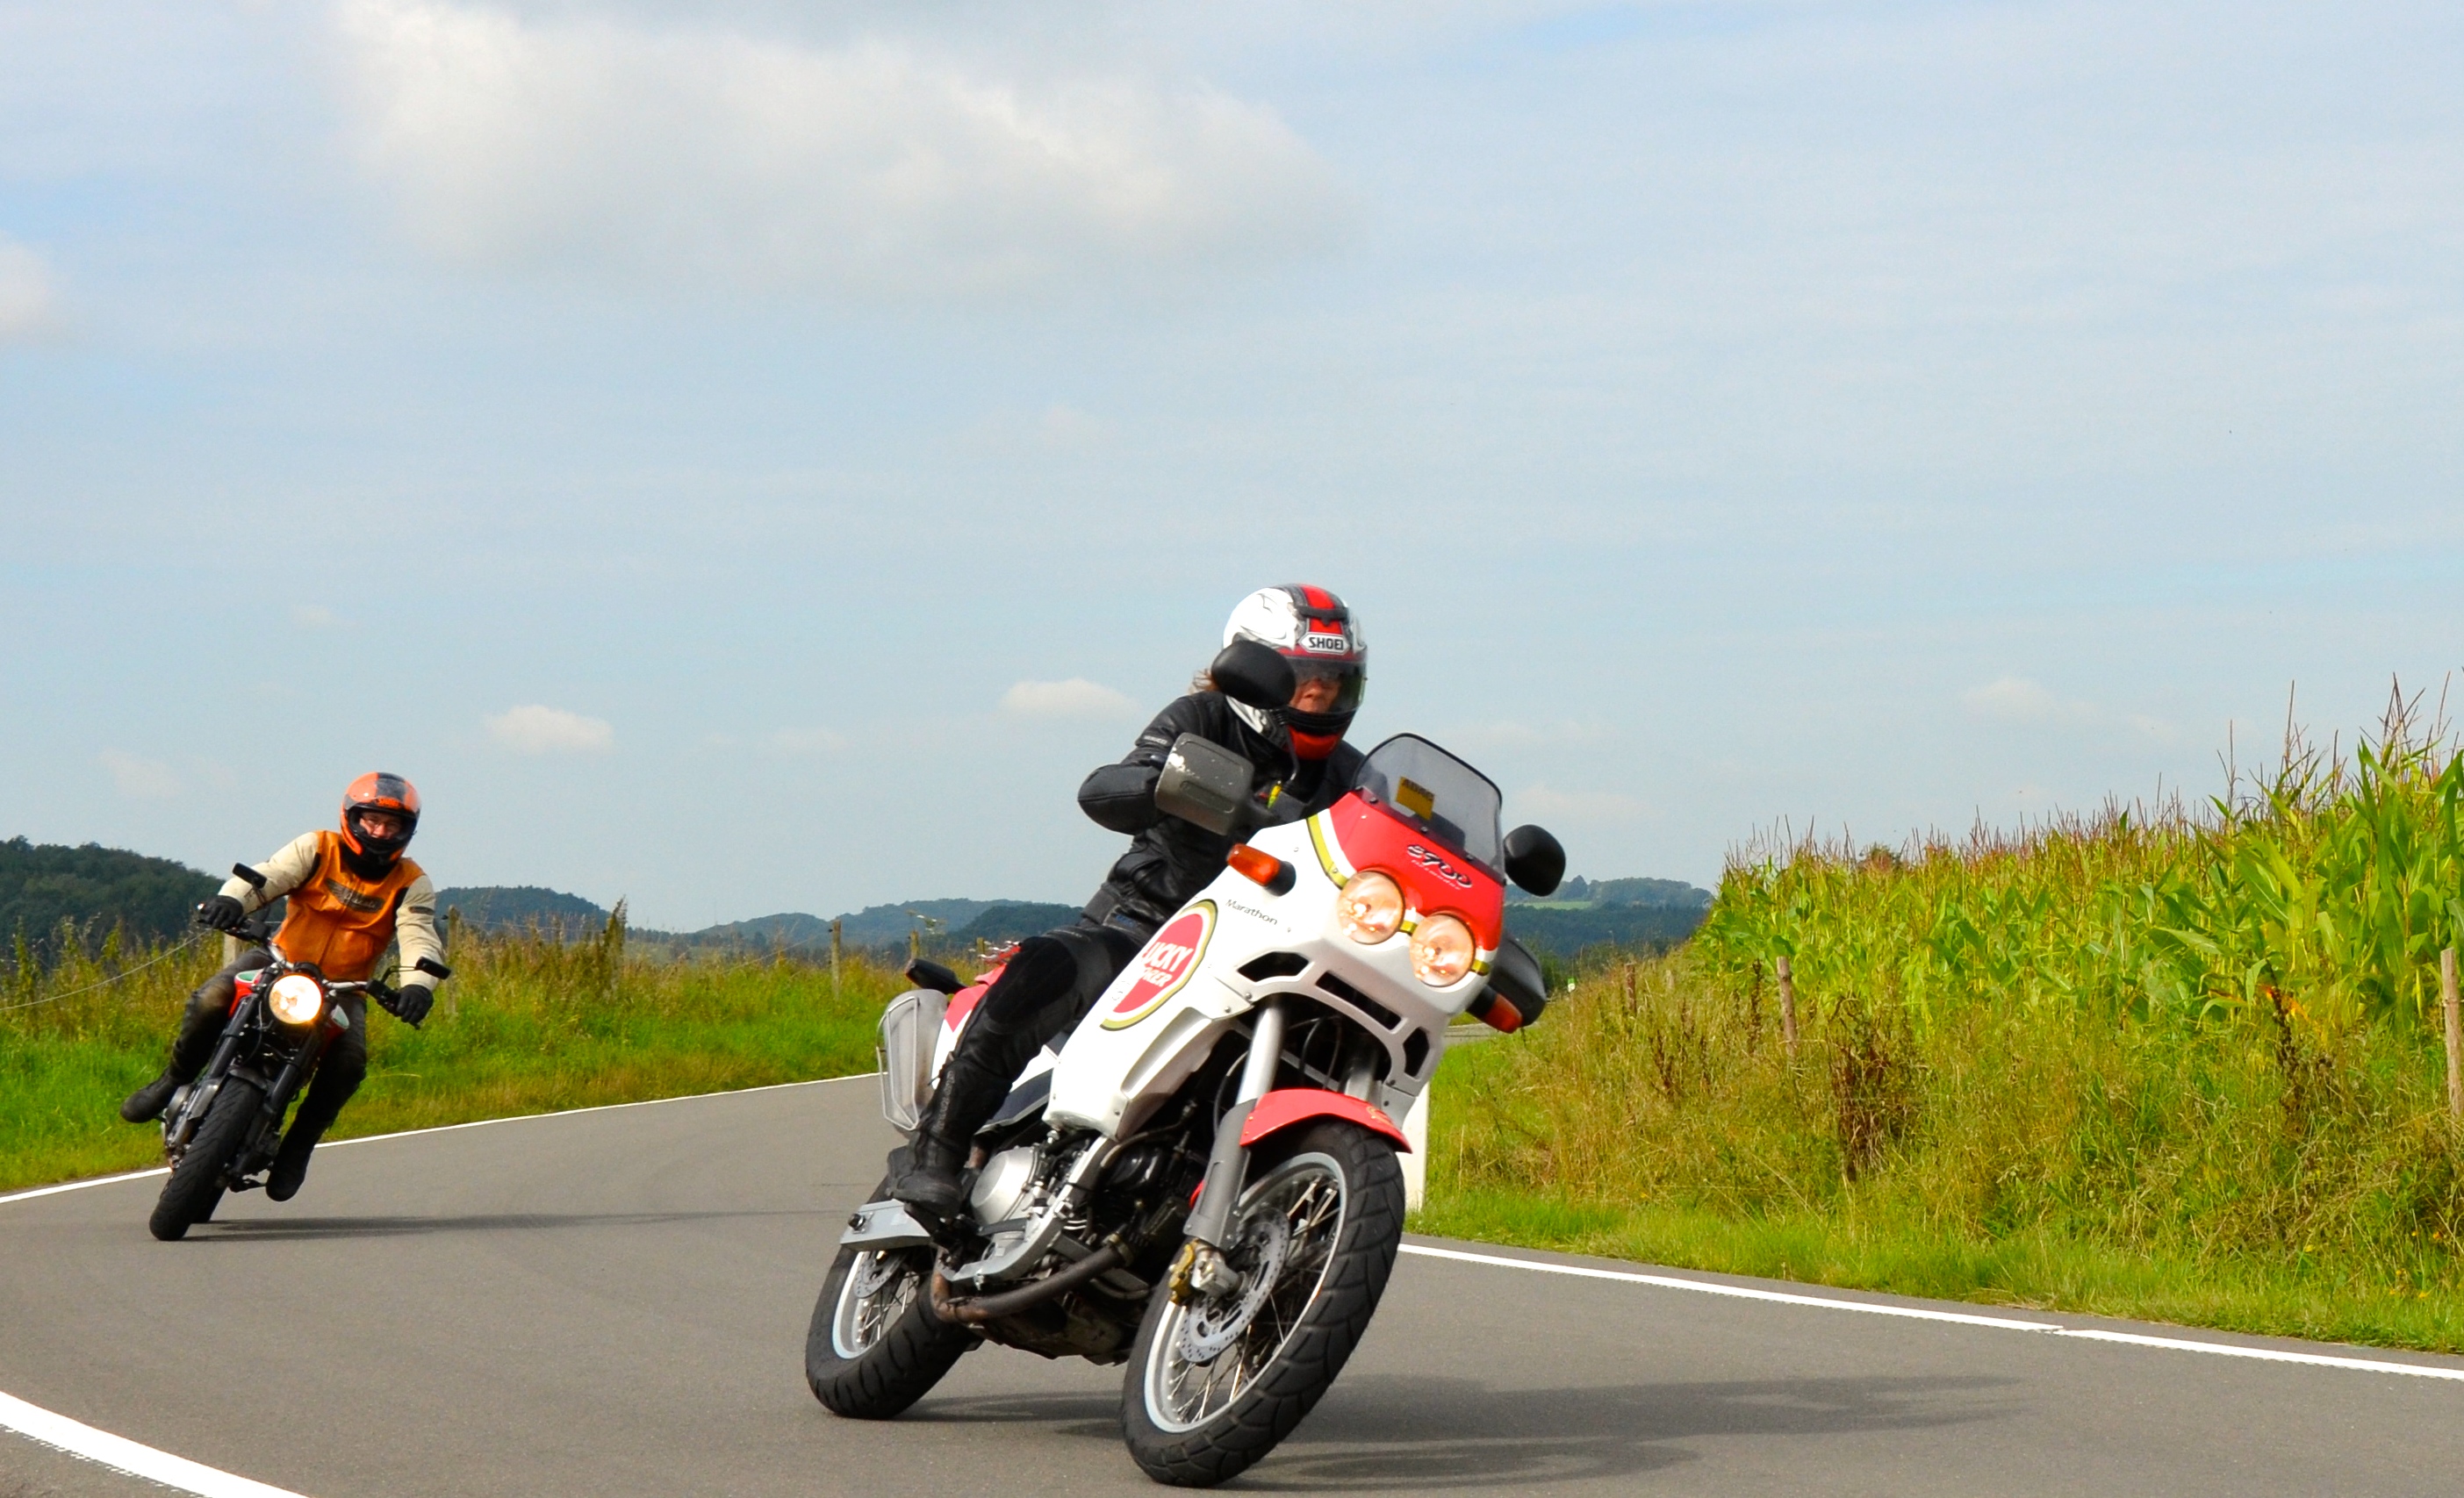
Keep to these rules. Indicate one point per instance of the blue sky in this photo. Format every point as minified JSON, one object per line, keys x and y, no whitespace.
{"x":753,"y":457}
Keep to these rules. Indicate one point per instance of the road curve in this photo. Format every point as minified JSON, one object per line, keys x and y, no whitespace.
{"x":613,"y":1302}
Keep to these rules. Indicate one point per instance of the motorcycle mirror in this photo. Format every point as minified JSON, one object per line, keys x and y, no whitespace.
{"x":1205,"y":783}
{"x":1249,"y":672}
{"x":1534,"y":860}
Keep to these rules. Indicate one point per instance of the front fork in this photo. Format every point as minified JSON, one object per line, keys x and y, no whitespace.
{"x":286,"y":1083}
{"x":1200,"y":1268}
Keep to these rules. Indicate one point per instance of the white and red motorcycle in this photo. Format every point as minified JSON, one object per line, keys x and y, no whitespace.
{"x":1201,"y":1183}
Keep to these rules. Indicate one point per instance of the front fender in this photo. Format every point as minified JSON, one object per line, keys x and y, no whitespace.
{"x":1288,"y":1106}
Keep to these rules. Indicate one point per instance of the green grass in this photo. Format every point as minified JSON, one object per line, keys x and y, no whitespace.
{"x":2180,"y":1067}
{"x":527,"y":1026}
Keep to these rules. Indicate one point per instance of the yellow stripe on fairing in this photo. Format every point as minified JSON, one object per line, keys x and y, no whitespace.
{"x":1324,"y":855}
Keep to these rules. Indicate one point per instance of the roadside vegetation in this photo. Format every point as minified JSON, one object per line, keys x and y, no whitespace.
{"x":2180,"y":1065}
{"x":531,"y":1023}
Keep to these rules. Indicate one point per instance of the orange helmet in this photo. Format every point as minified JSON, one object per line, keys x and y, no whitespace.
{"x":379,"y":791}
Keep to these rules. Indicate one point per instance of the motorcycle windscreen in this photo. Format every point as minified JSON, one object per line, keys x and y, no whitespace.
{"x":1440,"y":796}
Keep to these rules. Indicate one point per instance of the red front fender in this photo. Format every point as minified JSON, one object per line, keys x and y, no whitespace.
{"x":1286,"y":1106}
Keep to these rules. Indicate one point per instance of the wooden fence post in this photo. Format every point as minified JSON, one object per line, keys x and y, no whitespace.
{"x":834,"y":960}
{"x":914,"y":944}
{"x":2455,"y":1035}
{"x":1787,"y":1005}
{"x":452,"y":939}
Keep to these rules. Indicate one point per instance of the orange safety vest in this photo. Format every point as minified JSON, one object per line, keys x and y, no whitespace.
{"x":338,"y":920}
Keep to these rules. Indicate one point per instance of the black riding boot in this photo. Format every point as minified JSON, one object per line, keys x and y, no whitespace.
{"x":201,"y":1025}
{"x":290,"y":1161}
{"x":969,"y":1093}
{"x":147,"y":1104}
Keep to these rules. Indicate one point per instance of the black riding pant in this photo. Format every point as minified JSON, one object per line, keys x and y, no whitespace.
{"x":1049,"y":985}
{"x":339,"y":1071}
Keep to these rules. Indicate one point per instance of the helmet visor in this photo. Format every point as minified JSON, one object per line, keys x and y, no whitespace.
{"x":1326,"y":686}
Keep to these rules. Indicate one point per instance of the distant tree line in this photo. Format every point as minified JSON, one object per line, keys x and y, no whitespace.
{"x":44,"y":886}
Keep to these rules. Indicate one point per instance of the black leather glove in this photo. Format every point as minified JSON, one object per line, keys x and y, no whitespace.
{"x":412,"y":1002}
{"x":221,"y":913}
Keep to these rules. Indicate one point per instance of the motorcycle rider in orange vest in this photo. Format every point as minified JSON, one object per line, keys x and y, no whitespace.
{"x":352,"y":896}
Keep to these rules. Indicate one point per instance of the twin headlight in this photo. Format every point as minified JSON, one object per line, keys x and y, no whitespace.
{"x":295,"y":999}
{"x":1369,"y":909}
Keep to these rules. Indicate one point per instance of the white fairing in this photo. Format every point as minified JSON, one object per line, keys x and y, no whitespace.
{"x":1132,"y":1049}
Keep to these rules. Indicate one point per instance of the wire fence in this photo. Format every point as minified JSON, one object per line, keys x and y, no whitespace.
{"x":122,"y":976}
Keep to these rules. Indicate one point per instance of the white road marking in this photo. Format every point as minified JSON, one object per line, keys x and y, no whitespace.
{"x":1740,"y":1292}
{"x":448,"y":1128}
{"x":123,"y":1455}
{"x":2182,"y":1344}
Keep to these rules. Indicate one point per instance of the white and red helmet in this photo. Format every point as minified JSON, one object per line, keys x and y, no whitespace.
{"x":1313,"y":630}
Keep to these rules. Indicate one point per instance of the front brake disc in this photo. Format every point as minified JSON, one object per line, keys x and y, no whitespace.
{"x":1214,"y":1324}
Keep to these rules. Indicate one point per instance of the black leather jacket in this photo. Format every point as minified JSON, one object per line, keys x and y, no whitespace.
{"x":1169,"y":860}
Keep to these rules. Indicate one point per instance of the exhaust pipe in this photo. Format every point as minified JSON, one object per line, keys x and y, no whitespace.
{"x":977,"y":1309}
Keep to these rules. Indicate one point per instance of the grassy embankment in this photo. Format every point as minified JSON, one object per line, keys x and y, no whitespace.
{"x":2183,"y":1067}
{"x":528,"y":1024}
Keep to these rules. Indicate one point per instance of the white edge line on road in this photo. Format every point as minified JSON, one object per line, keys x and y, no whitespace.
{"x":1740,"y":1292}
{"x":123,"y":1455}
{"x":1919,"y":1314}
{"x":448,"y":1128}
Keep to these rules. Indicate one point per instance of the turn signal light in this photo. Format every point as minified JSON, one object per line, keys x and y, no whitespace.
{"x":1260,"y":867}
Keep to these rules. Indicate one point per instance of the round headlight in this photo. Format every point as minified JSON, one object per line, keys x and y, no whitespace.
{"x":295,"y":998}
{"x":1370,"y":907}
{"x":1441,"y":950}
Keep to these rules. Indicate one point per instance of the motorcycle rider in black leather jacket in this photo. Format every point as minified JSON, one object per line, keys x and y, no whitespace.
{"x":1052,"y":980}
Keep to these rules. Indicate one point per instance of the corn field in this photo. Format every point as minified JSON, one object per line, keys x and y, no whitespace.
{"x":2321,"y":896}
{"x":2185,"y":1063}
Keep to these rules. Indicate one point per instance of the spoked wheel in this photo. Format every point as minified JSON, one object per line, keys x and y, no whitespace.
{"x":1215,"y":1384}
{"x":196,"y":1184}
{"x":875,"y":1347}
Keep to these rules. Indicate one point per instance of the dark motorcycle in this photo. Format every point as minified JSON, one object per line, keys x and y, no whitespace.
{"x":223,"y":1129}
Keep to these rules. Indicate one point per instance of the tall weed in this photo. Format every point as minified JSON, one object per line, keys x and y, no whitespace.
{"x":531,"y":1022}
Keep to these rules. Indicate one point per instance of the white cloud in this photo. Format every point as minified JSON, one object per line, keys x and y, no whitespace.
{"x":1057,"y":430}
{"x":29,"y":301}
{"x":1074,"y":697}
{"x":804,"y":741}
{"x":709,"y":156}
{"x":316,"y":616}
{"x":139,"y":778}
{"x":2016,"y":699}
{"x":1542,"y":802}
{"x":535,"y":729}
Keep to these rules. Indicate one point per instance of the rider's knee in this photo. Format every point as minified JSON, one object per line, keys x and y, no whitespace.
{"x":1042,"y":969}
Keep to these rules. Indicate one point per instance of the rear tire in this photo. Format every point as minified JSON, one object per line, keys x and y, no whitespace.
{"x":196,"y":1184}
{"x":1333,"y":1195}
{"x":875,"y":1346}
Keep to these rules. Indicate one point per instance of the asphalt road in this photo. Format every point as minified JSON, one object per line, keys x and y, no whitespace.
{"x":614,"y":1302}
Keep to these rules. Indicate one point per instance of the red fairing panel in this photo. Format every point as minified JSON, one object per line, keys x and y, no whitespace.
{"x":1286,"y":1106}
{"x":1435,"y":880}
{"x":964,"y":1002}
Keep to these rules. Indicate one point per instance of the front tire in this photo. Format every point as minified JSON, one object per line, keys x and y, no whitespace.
{"x":875,"y":1346}
{"x":196,"y":1184}
{"x":1214,"y":1385}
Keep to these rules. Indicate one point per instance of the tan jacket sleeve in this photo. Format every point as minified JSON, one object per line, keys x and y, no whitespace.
{"x":284,"y":871}
{"x":414,"y":932}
